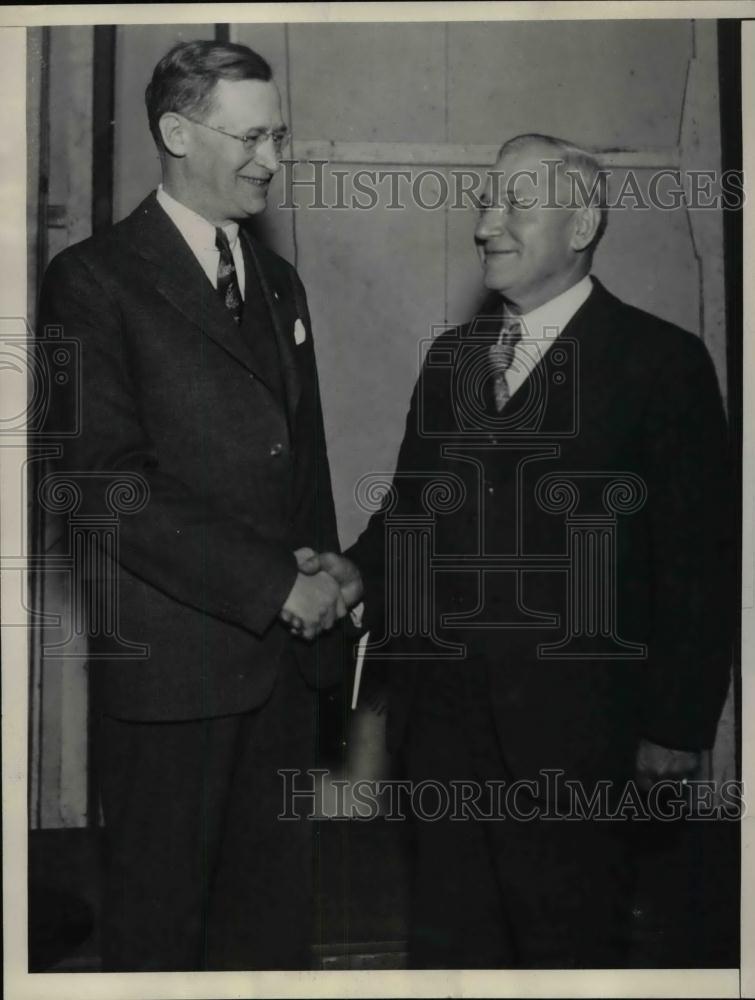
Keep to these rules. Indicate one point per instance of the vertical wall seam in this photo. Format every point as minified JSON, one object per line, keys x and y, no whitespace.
{"x":685,"y":86}
{"x":696,"y":251}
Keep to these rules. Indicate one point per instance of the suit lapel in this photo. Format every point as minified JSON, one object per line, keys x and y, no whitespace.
{"x":546,"y":409}
{"x":283,"y":336}
{"x":554,"y":380}
{"x":179,"y":277}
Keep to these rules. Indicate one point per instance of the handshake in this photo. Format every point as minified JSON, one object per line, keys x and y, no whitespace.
{"x":327,"y":586}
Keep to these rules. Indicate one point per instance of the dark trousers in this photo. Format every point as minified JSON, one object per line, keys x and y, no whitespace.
{"x":199,"y":873}
{"x":506,"y":893}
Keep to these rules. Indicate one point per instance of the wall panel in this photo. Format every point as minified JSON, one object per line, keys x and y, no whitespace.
{"x":372,"y":82}
{"x":375,"y":282}
{"x":647,"y":258}
{"x":602,"y":83}
{"x":137,"y":49}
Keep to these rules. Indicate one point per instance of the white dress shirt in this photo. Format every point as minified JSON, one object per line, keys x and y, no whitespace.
{"x":200,"y":235}
{"x":541,"y":328}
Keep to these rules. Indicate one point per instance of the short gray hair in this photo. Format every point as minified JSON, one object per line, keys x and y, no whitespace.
{"x":580,"y":165}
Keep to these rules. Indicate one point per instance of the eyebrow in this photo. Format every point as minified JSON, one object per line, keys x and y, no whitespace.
{"x":485,"y":201}
{"x":261,"y":128}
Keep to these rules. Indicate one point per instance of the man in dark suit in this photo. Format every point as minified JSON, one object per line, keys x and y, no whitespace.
{"x":198,"y":396}
{"x":581,"y":566}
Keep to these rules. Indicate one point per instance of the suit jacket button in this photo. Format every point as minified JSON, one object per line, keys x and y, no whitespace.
{"x":276,"y":450}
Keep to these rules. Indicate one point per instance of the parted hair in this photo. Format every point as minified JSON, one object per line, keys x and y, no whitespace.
{"x":184,"y":79}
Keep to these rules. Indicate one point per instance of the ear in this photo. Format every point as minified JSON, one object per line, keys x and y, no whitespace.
{"x":174,"y":133}
{"x":586,"y":222}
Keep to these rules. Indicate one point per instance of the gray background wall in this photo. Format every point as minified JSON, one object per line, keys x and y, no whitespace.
{"x":438,"y":96}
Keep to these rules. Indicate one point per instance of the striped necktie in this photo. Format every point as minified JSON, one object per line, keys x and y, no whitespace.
{"x":228,"y":283}
{"x":501,"y":356}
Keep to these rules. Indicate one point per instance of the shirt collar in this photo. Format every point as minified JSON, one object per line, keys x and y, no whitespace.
{"x":196,"y":230}
{"x":549,"y":319}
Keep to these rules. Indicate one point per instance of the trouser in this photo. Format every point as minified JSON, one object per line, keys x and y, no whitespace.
{"x":506,"y":892}
{"x":199,"y":873}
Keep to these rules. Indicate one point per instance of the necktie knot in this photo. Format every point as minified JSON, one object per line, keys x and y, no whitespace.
{"x":222,"y":243}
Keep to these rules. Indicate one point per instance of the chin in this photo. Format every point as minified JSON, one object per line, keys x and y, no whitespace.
{"x":494,"y":284}
{"x":252,"y":202}
{"x":255,"y":205}
{"x":497,"y":271}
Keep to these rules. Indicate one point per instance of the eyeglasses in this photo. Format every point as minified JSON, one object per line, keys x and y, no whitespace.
{"x":251,"y":141}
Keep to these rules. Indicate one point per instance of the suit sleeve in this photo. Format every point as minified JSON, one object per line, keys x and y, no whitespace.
{"x":369,"y":550}
{"x":178,"y":542}
{"x":693,"y":536}
{"x":316,"y":517}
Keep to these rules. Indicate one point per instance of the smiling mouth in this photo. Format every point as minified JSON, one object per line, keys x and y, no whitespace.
{"x":498,"y":253}
{"x":257,"y":181}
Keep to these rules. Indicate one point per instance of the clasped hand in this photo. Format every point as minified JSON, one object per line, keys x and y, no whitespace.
{"x":326,"y":587}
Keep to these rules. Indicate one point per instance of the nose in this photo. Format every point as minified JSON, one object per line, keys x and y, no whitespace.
{"x":266,"y":155}
{"x":492,"y":222}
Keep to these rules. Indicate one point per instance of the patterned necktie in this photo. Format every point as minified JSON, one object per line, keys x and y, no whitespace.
{"x":501,"y":356}
{"x":228,"y":284}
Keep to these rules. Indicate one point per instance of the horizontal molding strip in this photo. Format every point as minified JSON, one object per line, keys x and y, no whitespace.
{"x":459,"y":154}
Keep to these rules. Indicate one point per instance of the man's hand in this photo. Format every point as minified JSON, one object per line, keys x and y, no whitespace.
{"x":655,"y":763}
{"x":343,"y":571}
{"x":314,"y":602}
{"x":307,"y":560}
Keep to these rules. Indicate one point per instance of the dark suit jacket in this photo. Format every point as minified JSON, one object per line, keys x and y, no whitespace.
{"x":223,"y":424}
{"x":623,"y":395}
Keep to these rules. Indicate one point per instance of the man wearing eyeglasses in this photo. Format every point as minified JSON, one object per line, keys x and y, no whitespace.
{"x":198,"y":377}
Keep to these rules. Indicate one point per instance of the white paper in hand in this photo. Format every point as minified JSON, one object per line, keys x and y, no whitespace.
{"x":362,"y":649}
